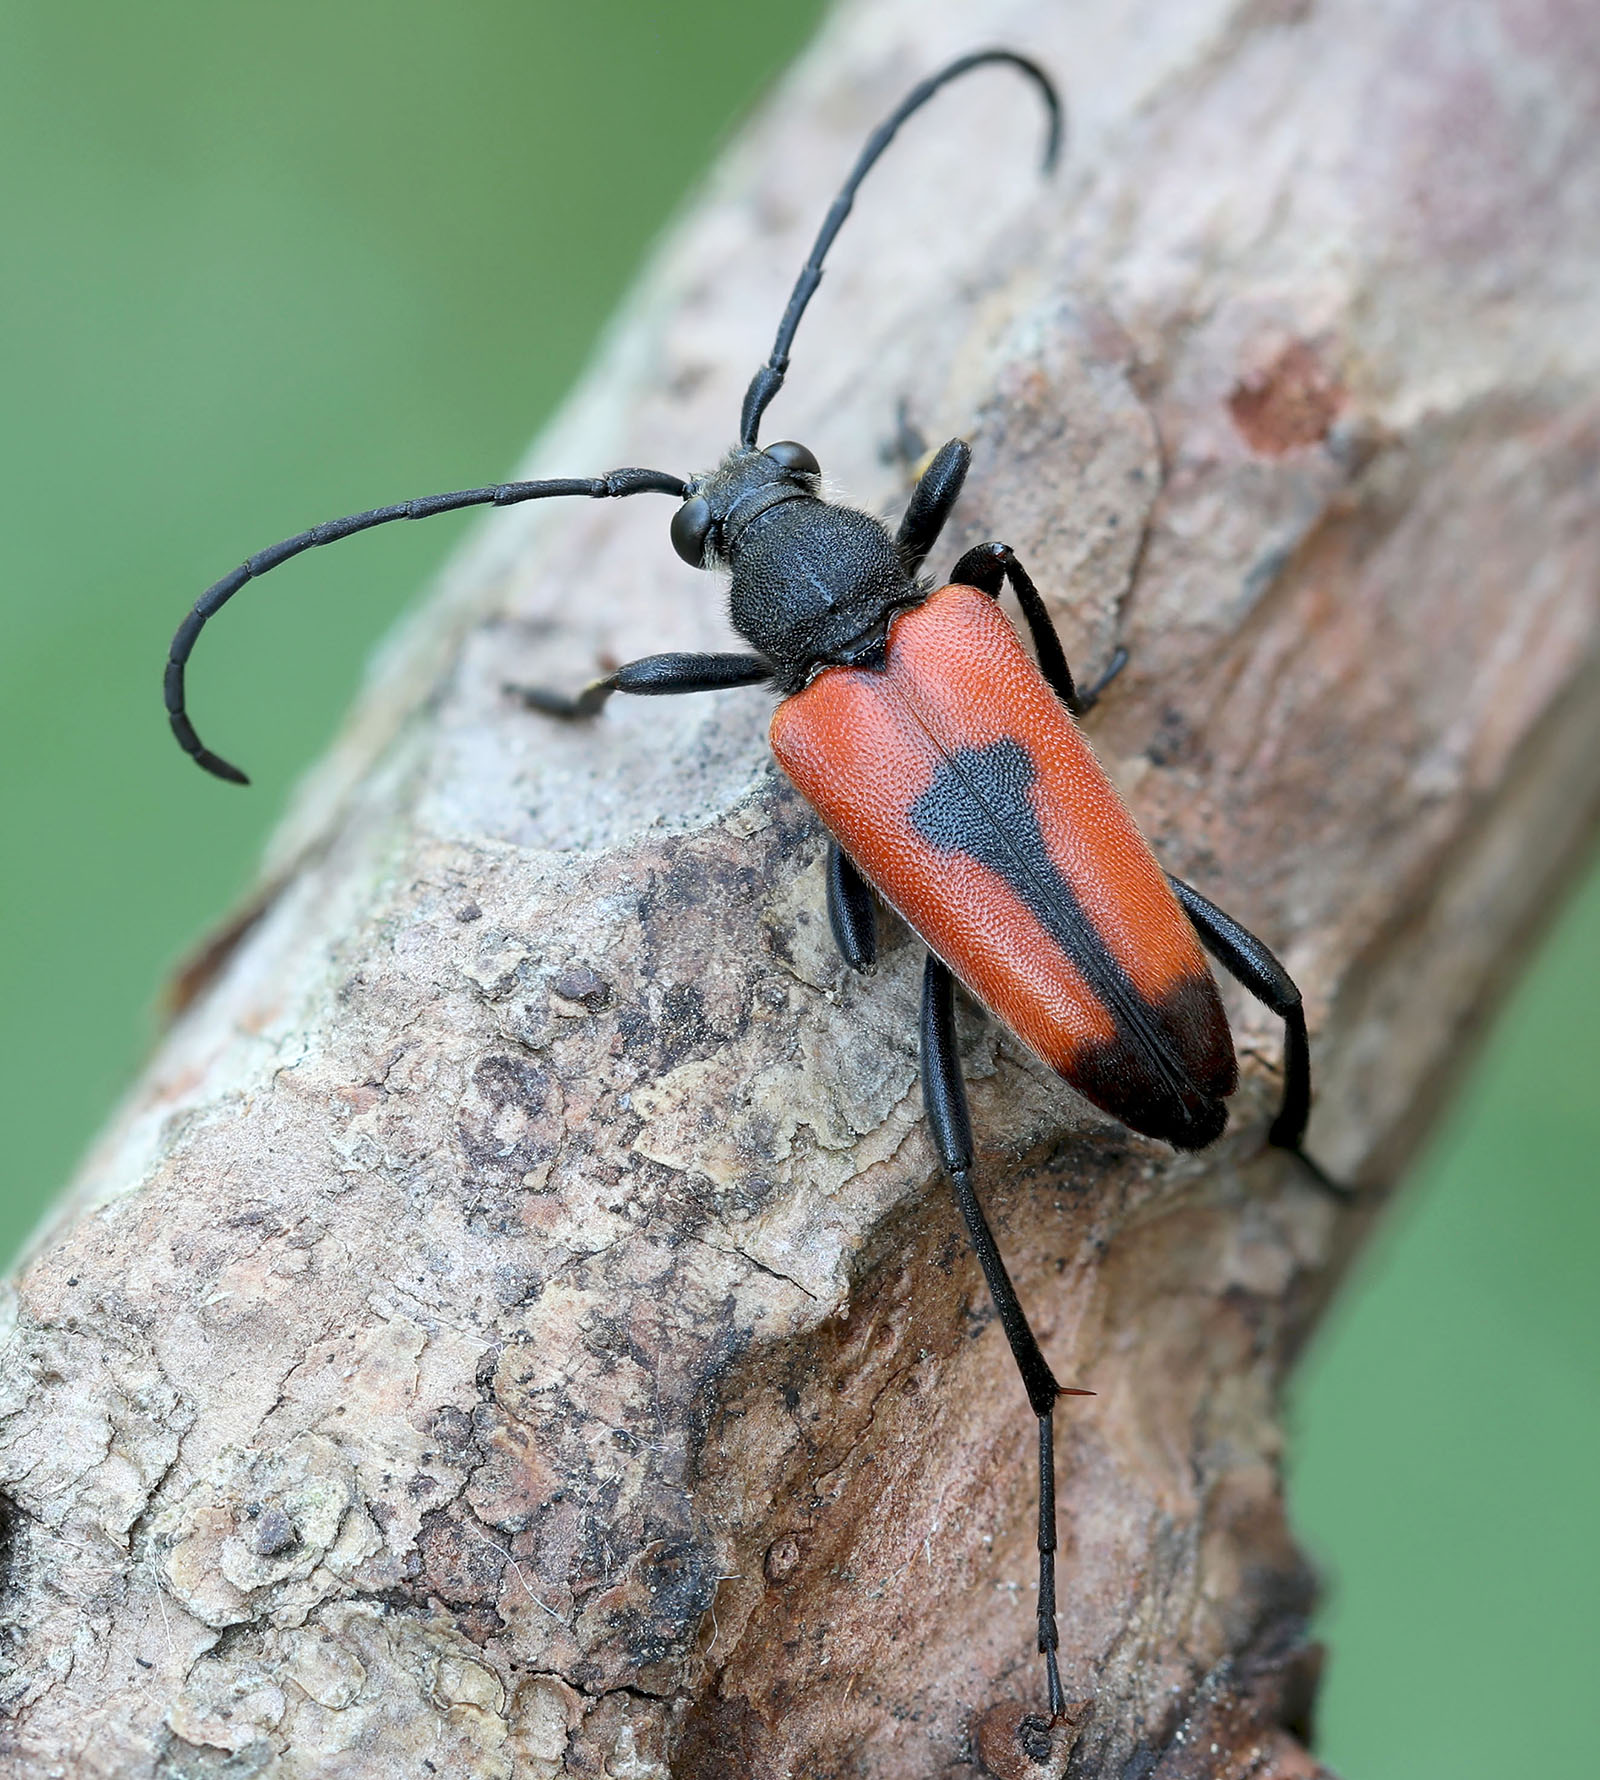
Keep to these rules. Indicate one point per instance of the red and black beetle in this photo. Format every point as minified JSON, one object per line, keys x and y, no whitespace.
{"x":948,"y":766}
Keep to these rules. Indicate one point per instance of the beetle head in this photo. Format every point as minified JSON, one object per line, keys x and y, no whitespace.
{"x":707,"y":527}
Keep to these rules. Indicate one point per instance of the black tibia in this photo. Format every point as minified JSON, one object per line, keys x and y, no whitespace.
{"x":850,"y":912}
{"x":945,"y":1096}
{"x":652,"y":676}
{"x":502,"y":494}
{"x":930,"y":504}
{"x":1248,"y":961}
{"x":987,"y":567}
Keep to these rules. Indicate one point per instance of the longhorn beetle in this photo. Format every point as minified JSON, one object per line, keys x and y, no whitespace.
{"x":950,"y":772}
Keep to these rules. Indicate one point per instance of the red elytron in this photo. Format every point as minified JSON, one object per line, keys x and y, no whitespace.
{"x":964,"y":791}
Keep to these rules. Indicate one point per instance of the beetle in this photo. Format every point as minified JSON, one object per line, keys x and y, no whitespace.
{"x":949,"y":768}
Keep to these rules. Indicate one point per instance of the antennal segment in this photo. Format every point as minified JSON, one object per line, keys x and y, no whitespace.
{"x":769,"y":379}
{"x":504,"y":494}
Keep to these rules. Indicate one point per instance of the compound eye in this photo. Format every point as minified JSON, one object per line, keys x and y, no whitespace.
{"x":794,"y":458}
{"x":691,"y":527}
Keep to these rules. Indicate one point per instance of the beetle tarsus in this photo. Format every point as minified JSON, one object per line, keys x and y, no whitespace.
{"x":569,"y":707}
{"x":1090,"y":696}
{"x":1049,"y":1636}
{"x":1052,"y":1672}
{"x":1320,"y":1178}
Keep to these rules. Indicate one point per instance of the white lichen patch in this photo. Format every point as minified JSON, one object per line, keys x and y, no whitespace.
{"x":268,"y":1533}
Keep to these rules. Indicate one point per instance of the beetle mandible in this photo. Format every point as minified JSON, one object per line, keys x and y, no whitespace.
{"x":949,"y":769}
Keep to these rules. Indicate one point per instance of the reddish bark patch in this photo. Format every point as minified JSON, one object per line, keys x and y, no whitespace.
{"x":1289,"y":403}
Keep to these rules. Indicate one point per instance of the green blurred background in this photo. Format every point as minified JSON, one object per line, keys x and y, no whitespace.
{"x":266,"y":265}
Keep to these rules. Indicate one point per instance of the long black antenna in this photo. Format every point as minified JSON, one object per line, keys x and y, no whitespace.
{"x":769,"y":379}
{"x":504,"y":494}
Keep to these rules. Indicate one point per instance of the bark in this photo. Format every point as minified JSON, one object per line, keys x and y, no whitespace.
{"x":516,"y":1327}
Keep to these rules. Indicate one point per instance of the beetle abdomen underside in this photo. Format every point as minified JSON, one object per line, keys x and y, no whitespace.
{"x":969,"y":798}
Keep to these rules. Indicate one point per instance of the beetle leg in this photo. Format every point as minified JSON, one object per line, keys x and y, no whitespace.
{"x":850,"y":912}
{"x":650,"y":676}
{"x":930,"y":503}
{"x":1250,"y":962}
{"x":945,"y":1096}
{"x":907,"y":448}
{"x":1089,"y":697}
{"x":987,"y":567}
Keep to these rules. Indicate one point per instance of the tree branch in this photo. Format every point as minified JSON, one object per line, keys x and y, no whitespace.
{"x":517,"y":1321}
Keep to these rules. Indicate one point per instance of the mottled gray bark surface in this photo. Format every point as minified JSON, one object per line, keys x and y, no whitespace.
{"x":516,"y":1327}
